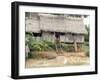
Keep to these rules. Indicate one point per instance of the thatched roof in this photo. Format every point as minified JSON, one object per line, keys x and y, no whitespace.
{"x":55,"y":23}
{"x":32,"y":25}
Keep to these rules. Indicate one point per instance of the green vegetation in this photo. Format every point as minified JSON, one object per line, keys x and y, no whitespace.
{"x":88,"y":32}
{"x":86,"y":44}
{"x":41,"y":45}
{"x":68,"y":47}
{"x":46,"y":45}
{"x":34,"y":55}
{"x":35,"y":45}
{"x":86,"y":48}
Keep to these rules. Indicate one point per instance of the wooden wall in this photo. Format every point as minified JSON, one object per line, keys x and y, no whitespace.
{"x":63,"y":38}
{"x":71,"y":38}
{"x":48,"y":36}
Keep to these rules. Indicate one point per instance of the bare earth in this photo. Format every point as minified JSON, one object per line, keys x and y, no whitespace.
{"x":65,"y":59}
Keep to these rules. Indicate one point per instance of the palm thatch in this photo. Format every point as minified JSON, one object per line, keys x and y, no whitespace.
{"x":55,"y":23}
{"x":32,"y":25}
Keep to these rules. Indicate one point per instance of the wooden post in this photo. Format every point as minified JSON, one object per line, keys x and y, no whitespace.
{"x":75,"y":46}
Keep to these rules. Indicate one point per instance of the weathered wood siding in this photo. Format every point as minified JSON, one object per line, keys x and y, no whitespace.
{"x":79,"y":38}
{"x":71,"y":38}
{"x":48,"y":36}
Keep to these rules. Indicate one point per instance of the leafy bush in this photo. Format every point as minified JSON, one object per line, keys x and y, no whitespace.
{"x":35,"y":45}
{"x":86,"y":43}
{"x":86,"y":49}
{"x":88,"y":31}
{"x":28,"y":38}
{"x":40,"y":45}
{"x":34,"y":55}
{"x":87,"y":53}
{"x":68,"y":47}
{"x":50,"y":45}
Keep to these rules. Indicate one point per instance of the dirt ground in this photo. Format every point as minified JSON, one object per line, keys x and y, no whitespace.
{"x":65,"y":59}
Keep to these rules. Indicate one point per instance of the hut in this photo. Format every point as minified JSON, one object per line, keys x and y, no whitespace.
{"x":70,"y":29}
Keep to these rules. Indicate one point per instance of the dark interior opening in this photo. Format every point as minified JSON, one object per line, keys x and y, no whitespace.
{"x":37,"y":34}
{"x":57,"y":35}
